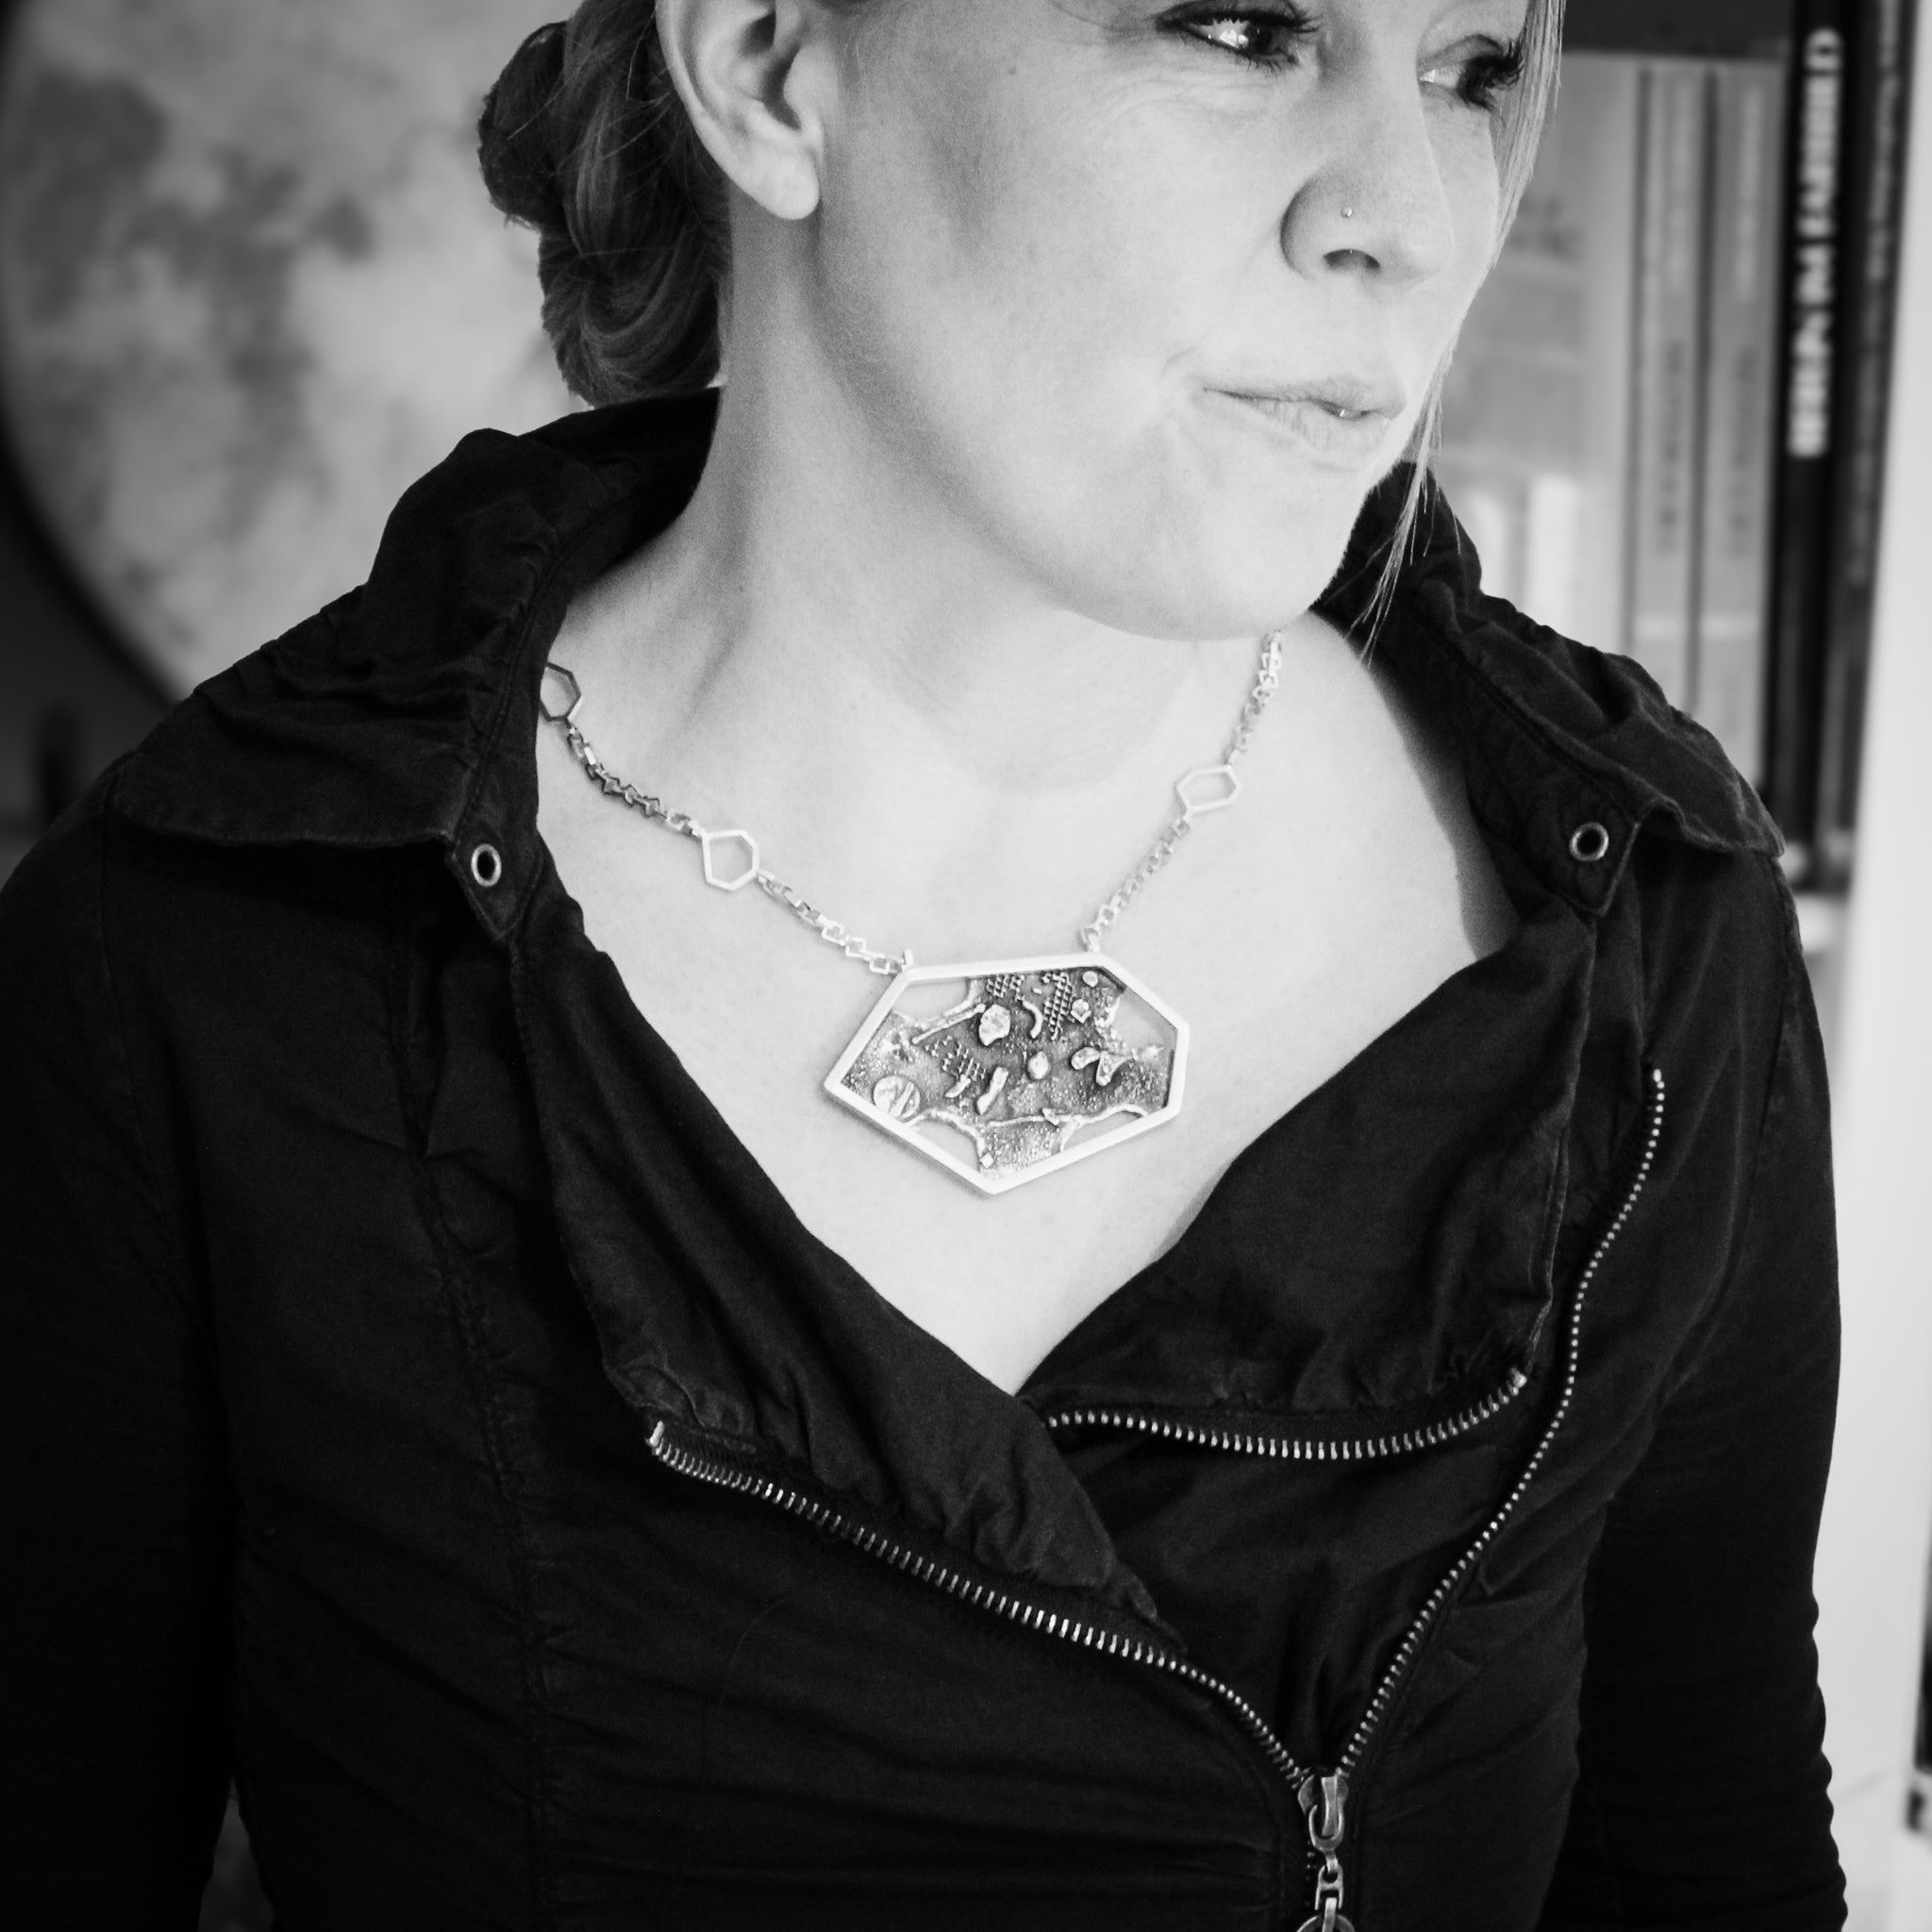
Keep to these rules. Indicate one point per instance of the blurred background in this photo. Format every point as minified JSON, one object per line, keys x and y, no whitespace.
{"x":251,"y":288}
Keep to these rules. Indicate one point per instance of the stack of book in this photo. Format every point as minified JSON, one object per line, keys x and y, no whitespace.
{"x":1664,"y":428}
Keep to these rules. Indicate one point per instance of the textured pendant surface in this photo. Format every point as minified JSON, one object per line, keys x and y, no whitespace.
{"x":1007,"y":1071}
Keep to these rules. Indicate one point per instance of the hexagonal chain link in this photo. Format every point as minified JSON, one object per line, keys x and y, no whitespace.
{"x":889,"y":964}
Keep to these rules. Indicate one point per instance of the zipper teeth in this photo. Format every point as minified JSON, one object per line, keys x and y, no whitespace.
{"x":1299,"y":1449}
{"x":985,"y":1596}
{"x":1412,"y":1640}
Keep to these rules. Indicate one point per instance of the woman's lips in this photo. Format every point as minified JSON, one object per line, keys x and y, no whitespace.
{"x":1344,"y":421}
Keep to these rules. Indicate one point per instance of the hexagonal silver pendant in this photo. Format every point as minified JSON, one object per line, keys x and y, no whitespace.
{"x":1007,"y":1071}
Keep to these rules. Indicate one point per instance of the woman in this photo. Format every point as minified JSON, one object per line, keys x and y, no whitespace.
{"x":1291,"y":1384}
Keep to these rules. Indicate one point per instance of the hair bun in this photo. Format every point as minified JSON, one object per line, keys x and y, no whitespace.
{"x":516,"y":140}
{"x":585,"y":140}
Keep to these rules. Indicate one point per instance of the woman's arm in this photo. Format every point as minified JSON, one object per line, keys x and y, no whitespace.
{"x":114,"y":1616}
{"x":1702,"y":1800}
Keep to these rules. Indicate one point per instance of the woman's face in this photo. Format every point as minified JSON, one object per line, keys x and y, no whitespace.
{"x":1152,"y":294}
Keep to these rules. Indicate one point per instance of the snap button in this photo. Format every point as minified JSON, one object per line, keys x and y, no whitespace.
{"x":486,"y":866}
{"x":1589,"y":843}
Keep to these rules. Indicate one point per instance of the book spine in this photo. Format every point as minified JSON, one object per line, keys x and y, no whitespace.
{"x":1663,"y":503}
{"x":1880,"y":114}
{"x":1741,"y":405}
{"x":1723,"y":29}
{"x":1814,"y":179}
{"x":1607,"y":180}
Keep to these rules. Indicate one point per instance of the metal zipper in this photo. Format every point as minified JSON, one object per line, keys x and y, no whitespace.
{"x":1323,"y":1802}
{"x":1325,"y":1798}
{"x":926,"y":1569}
{"x":1299,"y":1448}
{"x":1418,"y":1630}
{"x":1322,"y":1795}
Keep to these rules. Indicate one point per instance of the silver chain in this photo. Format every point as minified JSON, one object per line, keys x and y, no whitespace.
{"x":1266,"y":679}
{"x":1204,"y":790}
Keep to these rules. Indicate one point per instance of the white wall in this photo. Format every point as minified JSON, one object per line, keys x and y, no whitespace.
{"x":1878,"y":1531}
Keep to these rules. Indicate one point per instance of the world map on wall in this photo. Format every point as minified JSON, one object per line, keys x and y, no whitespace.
{"x":250,"y":289}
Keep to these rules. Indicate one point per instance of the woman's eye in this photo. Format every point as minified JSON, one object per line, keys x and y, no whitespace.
{"x":1267,"y":37}
{"x":1479,"y":79}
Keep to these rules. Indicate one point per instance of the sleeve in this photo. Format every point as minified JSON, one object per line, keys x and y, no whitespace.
{"x":113,"y":1616}
{"x":1702,"y":1799}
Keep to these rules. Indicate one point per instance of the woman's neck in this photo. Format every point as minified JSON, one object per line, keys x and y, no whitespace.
{"x":821,"y":652}
{"x":822,"y":569}
{"x":827,"y":655}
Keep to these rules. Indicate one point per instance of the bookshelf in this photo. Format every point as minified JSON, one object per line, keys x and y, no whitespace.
{"x":1665,"y":424}
{"x":1871,"y":981}
{"x":1564,"y":500}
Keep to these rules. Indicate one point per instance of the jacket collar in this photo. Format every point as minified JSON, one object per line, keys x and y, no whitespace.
{"x":405,"y":712}
{"x":1555,"y":737}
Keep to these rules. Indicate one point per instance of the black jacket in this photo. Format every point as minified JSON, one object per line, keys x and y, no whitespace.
{"x":418,"y":1407}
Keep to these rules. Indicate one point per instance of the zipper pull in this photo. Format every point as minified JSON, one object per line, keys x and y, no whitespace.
{"x":1323,"y":1800}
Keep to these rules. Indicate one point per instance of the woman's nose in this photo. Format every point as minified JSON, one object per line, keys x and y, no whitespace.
{"x":1378,"y":205}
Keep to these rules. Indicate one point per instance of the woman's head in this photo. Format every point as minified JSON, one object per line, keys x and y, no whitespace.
{"x":1149,"y":294}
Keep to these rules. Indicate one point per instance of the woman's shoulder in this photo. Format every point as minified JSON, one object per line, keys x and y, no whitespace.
{"x":368,"y":723}
{"x":1574,"y":759}
{"x":366,"y":728}
{"x":1556,"y":736}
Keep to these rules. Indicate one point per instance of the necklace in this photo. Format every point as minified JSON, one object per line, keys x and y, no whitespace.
{"x":1000,"y":1071}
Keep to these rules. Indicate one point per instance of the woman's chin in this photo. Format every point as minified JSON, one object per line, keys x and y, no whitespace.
{"x":1270,"y":558}
{"x":1257,"y":583}
{"x":1216,"y":537}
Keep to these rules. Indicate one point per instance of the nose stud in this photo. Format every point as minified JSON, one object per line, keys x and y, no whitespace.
{"x":1348,"y":215}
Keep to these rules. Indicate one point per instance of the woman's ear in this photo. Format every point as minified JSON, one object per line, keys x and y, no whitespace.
{"x":745,"y":70}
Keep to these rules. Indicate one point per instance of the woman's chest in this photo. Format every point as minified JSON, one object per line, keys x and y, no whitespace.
{"x":1277,"y":943}
{"x":759,"y":1019}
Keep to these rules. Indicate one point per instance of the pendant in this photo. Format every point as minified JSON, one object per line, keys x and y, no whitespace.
{"x":1008,"y":1071}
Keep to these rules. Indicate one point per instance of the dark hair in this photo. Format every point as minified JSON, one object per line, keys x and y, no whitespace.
{"x":585,"y":140}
